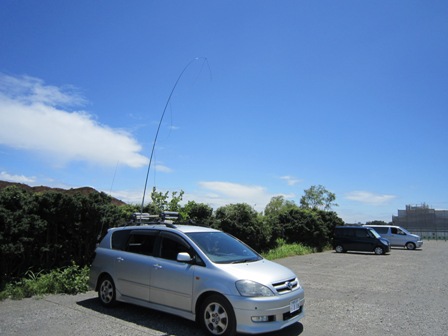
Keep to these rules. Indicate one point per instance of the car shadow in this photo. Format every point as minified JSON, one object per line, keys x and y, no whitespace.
{"x":405,"y":249}
{"x":165,"y":323}
{"x":366,"y":253}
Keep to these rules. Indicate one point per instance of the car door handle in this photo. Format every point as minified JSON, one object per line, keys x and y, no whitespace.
{"x":157,"y":266}
{"x":120,"y":259}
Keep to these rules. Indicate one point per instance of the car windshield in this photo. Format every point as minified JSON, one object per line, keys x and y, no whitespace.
{"x":375,"y":234}
{"x":222,"y":248}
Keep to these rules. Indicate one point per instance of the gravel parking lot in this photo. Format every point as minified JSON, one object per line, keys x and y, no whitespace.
{"x":403,"y":293}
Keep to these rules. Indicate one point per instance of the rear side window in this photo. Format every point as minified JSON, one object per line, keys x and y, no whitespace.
{"x":119,"y":239}
{"x":141,"y":243}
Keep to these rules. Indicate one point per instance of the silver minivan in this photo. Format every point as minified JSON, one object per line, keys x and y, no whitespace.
{"x":198,"y":273}
{"x":398,"y":236}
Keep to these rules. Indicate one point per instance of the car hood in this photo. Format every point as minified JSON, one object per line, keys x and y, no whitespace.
{"x":263,"y":271}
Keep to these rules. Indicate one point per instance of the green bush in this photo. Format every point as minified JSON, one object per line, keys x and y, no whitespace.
{"x":46,"y":230}
{"x":284,"y":250}
{"x":68,"y":280}
{"x":243,"y":222}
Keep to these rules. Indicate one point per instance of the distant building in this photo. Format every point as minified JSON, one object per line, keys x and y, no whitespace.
{"x":421,"y":219}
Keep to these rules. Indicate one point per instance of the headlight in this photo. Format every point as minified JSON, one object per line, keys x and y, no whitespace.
{"x":252,"y":288}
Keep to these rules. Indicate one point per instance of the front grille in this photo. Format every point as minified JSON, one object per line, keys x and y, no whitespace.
{"x":288,"y":315}
{"x":286,"y":286}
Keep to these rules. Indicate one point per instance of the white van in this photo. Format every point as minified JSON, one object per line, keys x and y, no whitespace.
{"x":398,"y":236}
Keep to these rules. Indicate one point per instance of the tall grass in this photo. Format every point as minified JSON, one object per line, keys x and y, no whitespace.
{"x":284,"y":250}
{"x":68,"y":280}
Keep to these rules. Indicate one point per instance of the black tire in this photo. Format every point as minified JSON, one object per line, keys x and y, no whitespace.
{"x":217,"y":317}
{"x":410,"y":246}
{"x":378,"y":250}
{"x":339,"y":249}
{"x":106,"y":291}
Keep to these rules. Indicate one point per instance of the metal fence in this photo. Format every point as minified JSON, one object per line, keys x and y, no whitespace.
{"x":431,"y":235}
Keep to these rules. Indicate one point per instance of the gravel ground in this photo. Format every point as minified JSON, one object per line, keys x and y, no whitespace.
{"x":403,"y":293}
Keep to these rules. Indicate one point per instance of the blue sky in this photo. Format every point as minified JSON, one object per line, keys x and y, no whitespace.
{"x":276,"y":96}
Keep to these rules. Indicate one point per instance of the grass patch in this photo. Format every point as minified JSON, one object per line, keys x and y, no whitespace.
{"x":67,"y":280}
{"x":284,"y":250}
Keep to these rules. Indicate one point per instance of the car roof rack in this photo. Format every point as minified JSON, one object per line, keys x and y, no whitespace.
{"x":142,"y":217}
{"x":167,"y":218}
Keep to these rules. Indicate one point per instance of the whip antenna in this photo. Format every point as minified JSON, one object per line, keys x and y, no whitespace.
{"x":160,"y":123}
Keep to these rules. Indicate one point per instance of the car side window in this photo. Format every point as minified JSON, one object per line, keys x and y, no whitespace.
{"x":171,"y":245}
{"x":394,"y":230}
{"x":349,"y":233}
{"x":119,"y":239}
{"x":362,"y":233}
{"x":381,"y":230}
{"x":141,"y":243}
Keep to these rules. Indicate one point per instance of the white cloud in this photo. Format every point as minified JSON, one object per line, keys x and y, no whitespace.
{"x":162,"y":168}
{"x":368,"y":197}
{"x":34,"y":117}
{"x":233,"y":190}
{"x":218,"y":194}
{"x":4,"y":176}
{"x":127,"y":196}
{"x":30,"y":90}
{"x":290,"y":180}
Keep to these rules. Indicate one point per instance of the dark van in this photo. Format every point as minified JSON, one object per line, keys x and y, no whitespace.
{"x":359,"y":238}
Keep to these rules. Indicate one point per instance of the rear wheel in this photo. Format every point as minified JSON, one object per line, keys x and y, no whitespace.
{"x":378,"y":250}
{"x":217,"y":316}
{"x":339,"y":249}
{"x":410,"y":246}
{"x":106,"y":291}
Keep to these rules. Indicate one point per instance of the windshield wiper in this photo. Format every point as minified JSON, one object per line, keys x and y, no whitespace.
{"x":243,"y":261}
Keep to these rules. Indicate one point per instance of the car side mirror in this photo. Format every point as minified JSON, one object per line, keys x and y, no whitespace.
{"x":184,"y":257}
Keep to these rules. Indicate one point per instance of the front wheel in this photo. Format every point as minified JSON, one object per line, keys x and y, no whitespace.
{"x":217,"y":316}
{"x":378,"y":250}
{"x":106,"y":291}
{"x":410,"y":246}
{"x":339,"y":249}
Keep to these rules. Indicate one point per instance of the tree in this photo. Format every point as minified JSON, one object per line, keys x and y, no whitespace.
{"x":161,"y":202}
{"x":272,"y":212}
{"x":318,"y":198}
{"x":278,"y":204}
{"x":377,"y":222}
{"x":198,"y":213}
{"x":310,"y":227}
{"x":243,"y":222}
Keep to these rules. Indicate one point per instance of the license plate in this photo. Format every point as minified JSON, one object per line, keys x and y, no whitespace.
{"x":294,"y":305}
